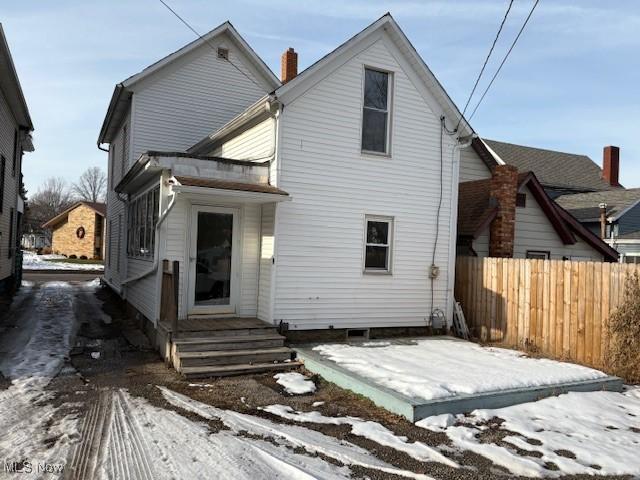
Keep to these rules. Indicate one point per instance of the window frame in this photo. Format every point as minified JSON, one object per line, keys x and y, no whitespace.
{"x":389,"y":245}
{"x":546,"y":253}
{"x":389,"y":111}
{"x":141,"y":224}
{"x":521,"y":200}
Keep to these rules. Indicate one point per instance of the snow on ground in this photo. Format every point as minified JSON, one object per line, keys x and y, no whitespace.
{"x":367,"y":429}
{"x":37,"y":354}
{"x":439,"y":368}
{"x":580,"y":432}
{"x":284,"y":438}
{"x":295,"y":383}
{"x":31,"y":261}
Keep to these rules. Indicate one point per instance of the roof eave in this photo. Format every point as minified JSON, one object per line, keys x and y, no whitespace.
{"x":11,"y":84}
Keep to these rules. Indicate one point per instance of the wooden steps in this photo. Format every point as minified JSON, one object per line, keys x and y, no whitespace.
{"x":208,"y":347}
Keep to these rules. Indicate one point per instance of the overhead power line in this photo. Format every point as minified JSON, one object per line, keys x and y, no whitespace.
{"x":213,"y":47}
{"x":486,"y":60}
{"x":505,"y":58}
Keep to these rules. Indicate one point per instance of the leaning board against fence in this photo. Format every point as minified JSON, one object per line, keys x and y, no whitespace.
{"x":557,"y":308}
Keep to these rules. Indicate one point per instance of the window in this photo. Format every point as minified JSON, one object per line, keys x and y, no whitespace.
{"x":223,"y":53}
{"x":15,"y":152}
{"x":538,"y":254}
{"x":12,"y":243}
{"x":375,"y":111}
{"x":109,"y":243}
{"x":631,"y":258}
{"x":378,"y":240}
{"x":3,"y":164}
{"x":521,"y":200}
{"x":142,"y":221}
{"x":125,"y":144}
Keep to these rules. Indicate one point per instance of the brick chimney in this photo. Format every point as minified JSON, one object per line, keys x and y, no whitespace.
{"x":288,"y":65}
{"x":611,"y":165}
{"x":503,"y":189}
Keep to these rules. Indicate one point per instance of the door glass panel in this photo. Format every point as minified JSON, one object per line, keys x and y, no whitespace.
{"x":213,"y":258}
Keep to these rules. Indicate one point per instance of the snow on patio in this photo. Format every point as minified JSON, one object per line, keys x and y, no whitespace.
{"x":593,"y":433}
{"x":31,"y":261}
{"x":295,"y":383}
{"x":438,"y":368}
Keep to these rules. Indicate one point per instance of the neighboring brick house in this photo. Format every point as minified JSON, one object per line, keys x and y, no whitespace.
{"x":15,"y":139}
{"x":79,"y":230}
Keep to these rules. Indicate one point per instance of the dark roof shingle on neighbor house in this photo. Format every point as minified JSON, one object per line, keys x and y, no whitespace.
{"x":553,"y":169}
{"x":586,"y":206}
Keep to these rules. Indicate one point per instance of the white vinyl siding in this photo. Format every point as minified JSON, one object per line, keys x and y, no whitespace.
{"x":181,"y":104}
{"x":319,"y":278}
{"x":534,"y":231}
{"x":10,"y":188}
{"x":266,"y":259}
{"x":481,"y":244}
{"x":471,"y":166}
{"x":256,"y":143}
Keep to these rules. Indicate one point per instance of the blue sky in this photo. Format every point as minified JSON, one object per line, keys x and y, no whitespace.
{"x":572,"y":83}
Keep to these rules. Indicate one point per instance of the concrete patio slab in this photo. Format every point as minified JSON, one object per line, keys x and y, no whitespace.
{"x":415,"y":409}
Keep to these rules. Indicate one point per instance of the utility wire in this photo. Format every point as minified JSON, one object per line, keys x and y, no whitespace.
{"x":505,"y":58}
{"x":213,"y":47}
{"x":486,"y":60}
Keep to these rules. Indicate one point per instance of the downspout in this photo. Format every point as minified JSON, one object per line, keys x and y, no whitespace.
{"x":156,"y":248}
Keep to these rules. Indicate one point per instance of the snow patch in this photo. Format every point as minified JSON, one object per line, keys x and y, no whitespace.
{"x":437,"y":423}
{"x":32,"y":261}
{"x":440,"y":368}
{"x":598,"y":428}
{"x":367,"y":429}
{"x":295,"y":383}
{"x":289,"y":436}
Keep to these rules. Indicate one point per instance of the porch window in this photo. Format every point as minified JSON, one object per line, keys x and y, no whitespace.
{"x":142,"y":220}
{"x":378,"y":241}
{"x":375,"y":111}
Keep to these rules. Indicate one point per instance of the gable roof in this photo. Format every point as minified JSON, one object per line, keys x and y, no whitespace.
{"x":10,"y":85}
{"x":553,"y":169}
{"x":476,"y":211}
{"x":586,"y":206}
{"x":99,"y":207}
{"x":122,"y":93}
{"x":386,"y":23}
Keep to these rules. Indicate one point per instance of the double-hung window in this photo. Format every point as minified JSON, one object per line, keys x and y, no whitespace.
{"x":375,"y":111}
{"x":142,"y":221}
{"x":378,"y":244}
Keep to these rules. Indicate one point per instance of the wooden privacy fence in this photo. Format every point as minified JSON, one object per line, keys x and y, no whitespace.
{"x":557,"y":308}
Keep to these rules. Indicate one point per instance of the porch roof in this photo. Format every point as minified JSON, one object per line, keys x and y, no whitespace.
{"x":229,"y":185}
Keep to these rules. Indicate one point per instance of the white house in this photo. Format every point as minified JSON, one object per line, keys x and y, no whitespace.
{"x":327,"y":201}
{"x":15,"y":139}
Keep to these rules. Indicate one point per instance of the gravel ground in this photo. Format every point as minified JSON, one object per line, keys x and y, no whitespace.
{"x":85,"y":379}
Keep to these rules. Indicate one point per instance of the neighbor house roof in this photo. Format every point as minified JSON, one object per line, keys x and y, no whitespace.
{"x":122,"y":93}
{"x":476,"y":210}
{"x":586,"y":206}
{"x":434,"y":93}
{"x":10,"y":85}
{"x":553,"y":169}
{"x":98,"y":207}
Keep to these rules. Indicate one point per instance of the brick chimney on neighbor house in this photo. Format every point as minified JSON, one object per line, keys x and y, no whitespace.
{"x":611,"y":165}
{"x":503,"y":189}
{"x":288,"y":65}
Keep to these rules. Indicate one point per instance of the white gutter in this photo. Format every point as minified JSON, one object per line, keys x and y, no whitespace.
{"x":156,"y":248}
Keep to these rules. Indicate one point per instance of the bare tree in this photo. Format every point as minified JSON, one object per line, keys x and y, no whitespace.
{"x":52,"y":198}
{"x":92,"y":185}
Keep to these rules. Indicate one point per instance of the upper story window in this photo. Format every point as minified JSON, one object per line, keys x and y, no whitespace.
{"x":375,"y":111}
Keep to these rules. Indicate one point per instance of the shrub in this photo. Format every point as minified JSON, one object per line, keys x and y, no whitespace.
{"x":83,"y":257}
{"x":72,"y":256}
{"x":624,"y":334}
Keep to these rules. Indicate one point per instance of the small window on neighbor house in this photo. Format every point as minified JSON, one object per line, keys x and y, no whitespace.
{"x":378,"y":241}
{"x":521,"y":200}
{"x":223,"y":53}
{"x":631,"y":259}
{"x":538,"y":255}
{"x":375,"y":111}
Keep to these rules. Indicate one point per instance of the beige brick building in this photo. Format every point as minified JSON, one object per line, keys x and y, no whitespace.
{"x":79,"y":230}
